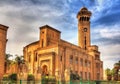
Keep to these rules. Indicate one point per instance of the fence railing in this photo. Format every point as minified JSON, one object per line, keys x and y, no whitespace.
{"x":59,"y":82}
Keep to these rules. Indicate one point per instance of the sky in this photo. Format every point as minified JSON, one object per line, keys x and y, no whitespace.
{"x":24,"y":17}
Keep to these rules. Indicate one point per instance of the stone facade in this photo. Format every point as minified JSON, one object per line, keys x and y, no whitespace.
{"x":3,"y":40}
{"x":51,"y":55}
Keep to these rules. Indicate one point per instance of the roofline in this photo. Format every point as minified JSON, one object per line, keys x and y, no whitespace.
{"x":69,"y":43}
{"x":42,"y":27}
{"x":3,"y":27}
{"x":32,"y":43}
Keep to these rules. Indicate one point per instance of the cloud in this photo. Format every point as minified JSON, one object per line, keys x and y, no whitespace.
{"x":105,"y":12}
{"x":109,"y":19}
{"x":24,"y":17}
{"x":109,"y":54}
{"x":109,"y":33}
{"x":106,"y":35}
{"x":107,"y":38}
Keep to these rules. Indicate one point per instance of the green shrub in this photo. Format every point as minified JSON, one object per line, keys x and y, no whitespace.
{"x":48,"y":79}
{"x":30,"y":77}
{"x":74,"y":76}
{"x":13,"y":77}
{"x":5,"y":78}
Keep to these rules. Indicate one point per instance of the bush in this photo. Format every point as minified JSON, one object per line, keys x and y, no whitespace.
{"x":5,"y":78}
{"x":74,"y":76}
{"x":51,"y":79}
{"x":13,"y":77}
{"x":48,"y":79}
{"x":30,"y":77}
{"x":98,"y":82}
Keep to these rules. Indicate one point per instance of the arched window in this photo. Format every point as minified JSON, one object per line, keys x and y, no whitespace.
{"x":87,"y":18}
{"x":60,"y":58}
{"x":81,"y":74}
{"x":42,"y":43}
{"x":29,"y":57}
{"x":71,"y":59}
{"x":89,"y":64}
{"x":82,"y":18}
{"x":81,"y":62}
{"x":35,"y":56}
{"x":85,"y":43}
{"x":45,"y":70}
{"x":76,"y":60}
{"x":86,"y":63}
{"x":89,"y":75}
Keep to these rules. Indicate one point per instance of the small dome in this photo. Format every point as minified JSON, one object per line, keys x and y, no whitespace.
{"x":84,"y":9}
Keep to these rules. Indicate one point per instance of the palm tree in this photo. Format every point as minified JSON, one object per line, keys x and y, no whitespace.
{"x":18,"y":59}
{"x":20,"y":62}
{"x":21,"y":65}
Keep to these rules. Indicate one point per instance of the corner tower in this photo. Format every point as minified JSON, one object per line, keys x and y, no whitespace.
{"x":83,"y":17}
{"x":49,"y":36}
{"x":3,"y":40}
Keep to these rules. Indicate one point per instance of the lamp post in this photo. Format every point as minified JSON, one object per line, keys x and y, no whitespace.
{"x":21,"y":73}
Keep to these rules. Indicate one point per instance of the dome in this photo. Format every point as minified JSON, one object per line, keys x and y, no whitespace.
{"x":84,"y":9}
{"x":83,"y":12}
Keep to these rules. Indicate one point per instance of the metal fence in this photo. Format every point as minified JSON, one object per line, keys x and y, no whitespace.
{"x":109,"y":82}
{"x":59,"y":82}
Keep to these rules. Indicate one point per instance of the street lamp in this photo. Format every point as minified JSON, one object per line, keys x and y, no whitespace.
{"x":21,"y":73}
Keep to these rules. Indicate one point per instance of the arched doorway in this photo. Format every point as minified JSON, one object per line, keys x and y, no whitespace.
{"x":44,"y":70}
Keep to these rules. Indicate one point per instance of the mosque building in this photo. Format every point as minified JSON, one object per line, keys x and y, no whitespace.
{"x":51,"y":55}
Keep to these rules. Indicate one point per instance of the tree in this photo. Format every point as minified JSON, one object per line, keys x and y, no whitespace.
{"x":7,"y":61}
{"x":109,"y":74}
{"x":113,"y":72}
{"x":19,"y":60}
{"x":13,"y":77}
{"x":21,"y":65}
{"x":116,"y":68}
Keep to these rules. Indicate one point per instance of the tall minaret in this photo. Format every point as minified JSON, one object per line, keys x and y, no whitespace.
{"x":84,"y":28}
{"x":3,"y":40}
